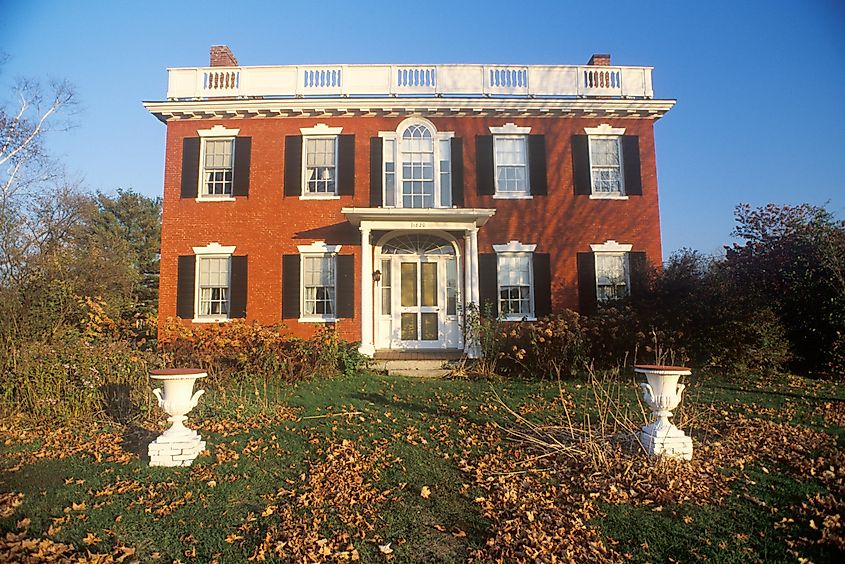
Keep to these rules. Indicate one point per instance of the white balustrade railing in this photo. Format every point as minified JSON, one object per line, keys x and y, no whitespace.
{"x":396,"y":80}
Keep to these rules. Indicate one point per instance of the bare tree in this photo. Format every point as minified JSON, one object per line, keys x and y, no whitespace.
{"x":33,"y":187}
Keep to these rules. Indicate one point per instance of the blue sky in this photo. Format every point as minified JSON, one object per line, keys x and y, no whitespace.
{"x":760,"y":85}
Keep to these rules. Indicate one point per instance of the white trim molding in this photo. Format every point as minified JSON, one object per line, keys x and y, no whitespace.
{"x":214,"y":248}
{"x":514,"y":247}
{"x":319,"y":247}
{"x":320,"y":129}
{"x":611,"y":246}
{"x":510,"y":128}
{"x":218,"y":131}
{"x":604,"y":129}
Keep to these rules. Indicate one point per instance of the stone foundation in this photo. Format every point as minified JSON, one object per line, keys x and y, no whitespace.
{"x":178,"y":451}
{"x":672,"y":442}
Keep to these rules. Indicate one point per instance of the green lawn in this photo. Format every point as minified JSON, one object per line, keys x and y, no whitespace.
{"x":377,"y":468}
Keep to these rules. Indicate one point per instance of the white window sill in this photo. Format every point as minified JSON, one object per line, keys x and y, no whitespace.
{"x":319,"y":197}
{"x":211,"y":320}
{"x":520,"y":318}
{"x":608,"y":197}
{"x":513,"y":197}
{"x":317,"y":319}
{"x":215,"y":199}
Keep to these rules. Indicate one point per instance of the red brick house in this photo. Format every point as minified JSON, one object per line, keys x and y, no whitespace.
{"x":385,"y":198}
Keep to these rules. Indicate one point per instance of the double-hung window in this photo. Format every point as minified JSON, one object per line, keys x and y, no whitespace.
{"x":218,"y":165}
{"x":607,"y":173}
{"x":515,"y":280}
{"x":511,"y":165}
{"x":510,"y":161}
{"x":320,"y":161}
{"x":606,"y":165}
{"x":611,"y":276}
{"x":320,"y":166}
{"x":319,"y":282}
{"x":213,"y":287}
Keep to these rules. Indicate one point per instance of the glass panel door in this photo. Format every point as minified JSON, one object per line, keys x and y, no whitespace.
{"x":420,"y":302}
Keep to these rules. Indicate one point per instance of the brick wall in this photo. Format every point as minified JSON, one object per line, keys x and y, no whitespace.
{"x":266,"y":224}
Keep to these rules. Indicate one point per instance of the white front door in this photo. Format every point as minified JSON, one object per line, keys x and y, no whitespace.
{"x":419,"y":302}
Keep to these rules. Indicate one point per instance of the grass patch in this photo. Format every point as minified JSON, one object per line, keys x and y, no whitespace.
{"x":354,"y":465}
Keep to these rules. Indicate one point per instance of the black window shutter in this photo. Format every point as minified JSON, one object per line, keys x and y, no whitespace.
{"x":243,"y":149}
{"x":376,"y":154}
{"x":484,"y":173}
{"x":293,"y":166}
{"x":345,"y":293}
{"x":190,"y":166}
{"x":346,"y":165}
{"x":581,"y":165}
{"x":238,"y":290}
{"x":542,"y":285}
{"x":639,"y":273}
{"x":537,"y":165}
{"x":488,"y":284}
{"x":290,"y":287}
{"x":631,"y":162}
{"x":457,"y":163}
{"x":588,"y":299}
{"x":185,"y":280}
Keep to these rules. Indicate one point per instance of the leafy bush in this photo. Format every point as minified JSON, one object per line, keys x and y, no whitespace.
{"x":238,"y":350}
{"x":553,"y":346}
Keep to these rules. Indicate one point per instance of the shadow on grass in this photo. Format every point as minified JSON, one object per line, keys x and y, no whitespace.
{"x":136,"y":440}
{"x":379,"y":399}
{"x":777,"y":393}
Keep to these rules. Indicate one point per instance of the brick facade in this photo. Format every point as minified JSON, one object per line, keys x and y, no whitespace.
{"x":266,"y":224}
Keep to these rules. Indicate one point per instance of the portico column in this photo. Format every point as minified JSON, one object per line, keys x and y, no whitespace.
{"x":473,"y":243}
{"x":467,"y":270}
{"x":367,"y":348}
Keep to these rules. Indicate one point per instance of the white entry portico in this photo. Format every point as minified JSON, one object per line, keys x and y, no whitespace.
{"x":419,"y":271}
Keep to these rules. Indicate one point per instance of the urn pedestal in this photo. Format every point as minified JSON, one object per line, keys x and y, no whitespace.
{"x":178,"y":445}
{"x":662,"y":393}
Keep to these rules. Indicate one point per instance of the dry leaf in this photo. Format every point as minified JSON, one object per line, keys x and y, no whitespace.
{"x":385,"y":548}
{"x":425,"y":493}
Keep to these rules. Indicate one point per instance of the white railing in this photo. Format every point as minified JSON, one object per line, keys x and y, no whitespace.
{"x":397,"y":80}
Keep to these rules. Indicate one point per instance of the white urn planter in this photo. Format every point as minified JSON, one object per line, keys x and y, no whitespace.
{"x":662,"y":393}
{"x":178,"y":445}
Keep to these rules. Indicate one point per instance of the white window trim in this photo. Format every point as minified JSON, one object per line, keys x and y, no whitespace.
{"x":217,"y":132}
{"x":320,"y":130}
{"x":396,"y":137}
{"x":612,"y":248}
{"x":515,"y":248}
{"x":316,"y":249}
{"x":212,"y":250}
{"x":606,"y":131}
{"x":511,"y":130}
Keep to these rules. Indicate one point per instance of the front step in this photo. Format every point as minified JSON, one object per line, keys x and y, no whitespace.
{"x":423,"y":364}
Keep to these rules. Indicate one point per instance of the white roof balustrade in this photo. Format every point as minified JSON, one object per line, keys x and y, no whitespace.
{"x":562,"y":81}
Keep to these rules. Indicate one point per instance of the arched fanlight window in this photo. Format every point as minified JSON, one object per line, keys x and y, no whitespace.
{"x":423,"y":176}
{"x":417,"y":244}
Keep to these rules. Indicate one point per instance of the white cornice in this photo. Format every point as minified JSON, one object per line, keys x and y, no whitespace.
{"x":604,"y":129}
{"x":611,"y":246}
{"x":510,"y":128}
{"x":214,"y":248}
{"x":514,"y":247}
{"x":218,"y":131}
{"x":319,"y":247}
{"x":320,"y":129}
{"x":403,"y":107}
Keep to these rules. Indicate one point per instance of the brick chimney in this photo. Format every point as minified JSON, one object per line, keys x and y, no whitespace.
{"x":600,"y":60}
{"x":221,"y":56}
